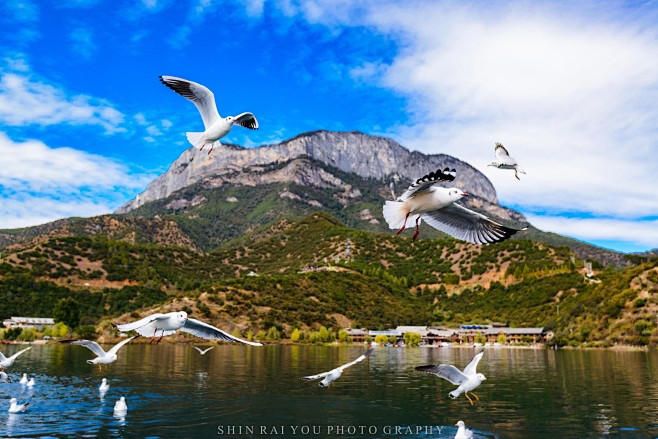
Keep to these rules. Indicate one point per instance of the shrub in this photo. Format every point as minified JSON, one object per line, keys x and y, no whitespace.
{"x":381,"y":339}
{"x":86,"y":331}
{"x":28,"y":334}
{"x":412,"y":338}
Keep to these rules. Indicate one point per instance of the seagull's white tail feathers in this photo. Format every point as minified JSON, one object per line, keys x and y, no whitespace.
{"x":196,"y":139}
{"x":395,"y":213}
{"x":454,"y":394}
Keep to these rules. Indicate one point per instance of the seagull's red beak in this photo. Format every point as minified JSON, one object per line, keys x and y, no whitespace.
{"x":464,"y":194}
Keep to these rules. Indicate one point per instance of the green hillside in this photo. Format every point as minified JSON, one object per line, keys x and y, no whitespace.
{"x":387,"y":281}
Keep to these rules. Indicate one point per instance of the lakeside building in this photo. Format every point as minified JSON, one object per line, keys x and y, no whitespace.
{"x":464,"y":334}
{"x":28,"y":322}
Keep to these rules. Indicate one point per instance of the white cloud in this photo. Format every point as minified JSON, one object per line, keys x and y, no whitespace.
{"x":39,"y":183}
{"x":642,"y":233}
{"x":25,"y":101}
{"x":570,"y":89}
{"x":24,"y":11}
{"x":34,"y":166}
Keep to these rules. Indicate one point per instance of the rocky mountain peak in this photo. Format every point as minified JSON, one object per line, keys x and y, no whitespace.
{"x":351,"y":152}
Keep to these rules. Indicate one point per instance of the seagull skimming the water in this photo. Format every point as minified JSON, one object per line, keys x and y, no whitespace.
{"x":468,"y":380}
{"x":505,"y":161}
{"x":6,"y":362}
{"x":168,"y":324}
{"x":436,"y":205}
{"x":334,"y":374}
{"x":102,"y":357}
{"x":204,"y":351}
{"x":216,"y":126}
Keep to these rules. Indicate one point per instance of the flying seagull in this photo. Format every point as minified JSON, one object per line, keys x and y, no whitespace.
{"x":216,"y":126}
{"x":6,"y":362}
{"x":334,"y":374}
{"x":462,"y":431}
{"x":4,"y":378}
{"x":102,"y":357}
{"x":168,"y":324}
{"x":14,"y":407}
{"x":505,"y":161}
{"x":436,"y":205}
{"x":204,"y":351}
{"x":467,"y":380}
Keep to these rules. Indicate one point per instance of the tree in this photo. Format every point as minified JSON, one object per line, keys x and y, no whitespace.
{"x":296,"y":335}
{"x":479,"y":338}
{"x":273,"y":333}
{"x":502,"y":339}
{"x":381,"y":339}
{"x":343,"y":335}
{"x":67,"y":311}
{"x":412,"y":338}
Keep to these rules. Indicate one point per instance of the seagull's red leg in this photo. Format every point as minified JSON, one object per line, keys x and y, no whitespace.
{"x":161,"y":335}
{"x":212,"y":145}
{"x":202,"y":146}
{"x":405,"y":223}
{"x":153,"y":338}
{"x":417,"y":231}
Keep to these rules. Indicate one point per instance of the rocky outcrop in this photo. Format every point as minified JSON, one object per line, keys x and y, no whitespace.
{"x":352,"y":152}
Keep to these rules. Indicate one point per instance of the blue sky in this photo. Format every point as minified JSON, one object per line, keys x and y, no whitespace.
{"x":569,"y":87}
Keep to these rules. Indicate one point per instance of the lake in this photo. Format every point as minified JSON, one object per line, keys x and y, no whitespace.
{"x":244,"y":392}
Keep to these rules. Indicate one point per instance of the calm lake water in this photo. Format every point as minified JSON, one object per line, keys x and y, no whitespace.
{"x":244,"y":392}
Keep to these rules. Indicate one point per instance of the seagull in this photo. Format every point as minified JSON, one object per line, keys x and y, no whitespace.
{"x":505,"y":161}
{"x":462,"y":431}
{"x":104,"y":387}
{"x":4,"y":378}
{"x":24,"y":380}
{"x":6,"y":362}
{"x":102,"y":356}
{"x":15,"y":408}
{"x":169,"y":323}
{"x":204,"y":100}
{"x":334,"y":374}
{"x":120,"y":406}
{"x":467,"y":380}
{"x":31,"y":383}
{"x":436,"y":205}
{"x":203,"y":352}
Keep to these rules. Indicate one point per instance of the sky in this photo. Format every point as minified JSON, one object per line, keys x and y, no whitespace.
{"x":570,"y":88}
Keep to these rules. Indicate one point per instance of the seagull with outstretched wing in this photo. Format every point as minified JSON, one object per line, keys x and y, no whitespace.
{"x":467,"y":380}
{"x":216,"y":126}
{"x":169,"y":323}
{"x":334,"y":374}
{"x":436,"y":206}
{"x":102,"y":357}
{"x":203,"y":351}
{"x":505,"y":161}
{"x":6,"y":362}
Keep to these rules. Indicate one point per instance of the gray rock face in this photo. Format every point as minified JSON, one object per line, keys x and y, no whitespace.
{"x":364,"y":155}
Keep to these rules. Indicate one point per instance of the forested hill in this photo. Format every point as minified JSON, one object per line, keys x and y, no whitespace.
{"x":260,"y":281}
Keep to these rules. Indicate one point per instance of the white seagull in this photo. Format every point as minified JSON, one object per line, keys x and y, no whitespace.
{"x":102,"y":357}
{"x":104,"y":387}
{"x":436,"y":205}
{"x":6,"y":362}
{"x":505,"y":161}
{"x":4,"y":378}
{"x":467,"y":380}
{"x":120,"y":406}
{"x":204,"y":351}
{"x":24,"y":380}
{"x":334,"y":374}
{"x":462,"y":431}
{"x":169,"y":323}
{"x":31,"y":383}
{"x":216,"y":126}
{"x":15,"y":408}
